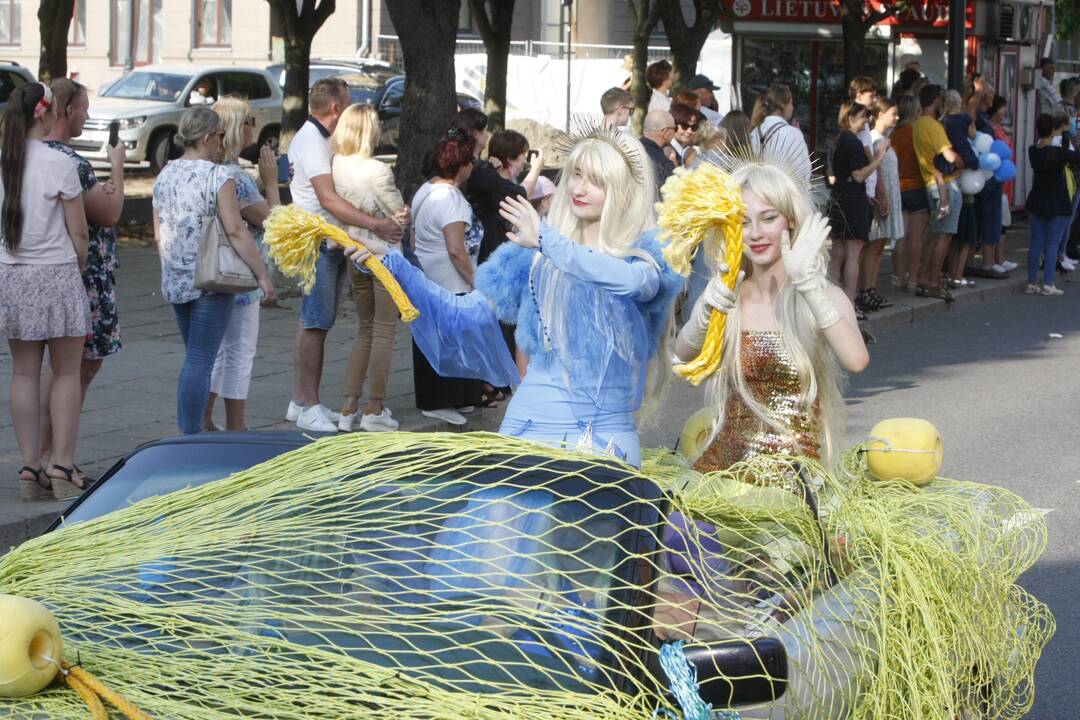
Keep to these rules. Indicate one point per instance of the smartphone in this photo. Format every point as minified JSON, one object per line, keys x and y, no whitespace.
{"x":114,"y":133}
{"x":531,"y":155}
{"x":283,"y":169}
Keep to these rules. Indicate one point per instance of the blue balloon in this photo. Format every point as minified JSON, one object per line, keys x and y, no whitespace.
{"x":989,"y":161}
{"x":1006,"y":172}
{"x":1001,"y":149}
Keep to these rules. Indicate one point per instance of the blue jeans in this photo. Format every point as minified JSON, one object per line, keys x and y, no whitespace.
{"x":1046,"y":236}
{"x":202,"y":325}
{"x":318,"y":309}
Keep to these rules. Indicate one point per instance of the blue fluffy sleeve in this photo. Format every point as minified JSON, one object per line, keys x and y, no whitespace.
{"x":504,"y":279}
{"x":657,"y":311}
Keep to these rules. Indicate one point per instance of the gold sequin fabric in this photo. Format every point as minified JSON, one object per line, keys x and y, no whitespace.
{"x":774,"y":382}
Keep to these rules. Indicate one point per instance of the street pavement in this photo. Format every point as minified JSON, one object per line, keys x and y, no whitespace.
{"x":989,"y":371}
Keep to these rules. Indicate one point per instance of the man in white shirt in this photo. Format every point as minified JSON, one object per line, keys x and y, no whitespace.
{"x":312,"y":188}
{"x":659,"y":77}
{"x":863,"y":91}
{"x":617,"y":105}
{"x":1048,"y":94}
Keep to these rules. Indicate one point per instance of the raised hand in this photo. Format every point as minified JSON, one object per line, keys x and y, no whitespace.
{"x":521,"y":215}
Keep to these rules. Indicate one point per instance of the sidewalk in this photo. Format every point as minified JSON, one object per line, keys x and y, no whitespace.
{"x":133,"y":399}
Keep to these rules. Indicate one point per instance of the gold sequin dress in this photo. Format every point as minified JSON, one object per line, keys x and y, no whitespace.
{"x":774,"y":382}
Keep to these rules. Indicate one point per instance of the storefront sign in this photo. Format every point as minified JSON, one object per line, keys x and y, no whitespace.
{"x":919,"y":13}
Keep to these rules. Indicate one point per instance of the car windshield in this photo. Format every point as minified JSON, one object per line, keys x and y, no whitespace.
{"x":373,"y":79}
{"x":142,"y":85}
{"x":161,"y":469}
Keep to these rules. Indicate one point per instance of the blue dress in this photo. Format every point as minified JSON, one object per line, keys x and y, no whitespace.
{"x":589,"y":322}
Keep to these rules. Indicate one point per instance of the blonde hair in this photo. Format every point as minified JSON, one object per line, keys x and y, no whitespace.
{"x":816,"y":365}
{"x":233,"y":112}
{"x":357,"y":131}
{"x":627,"y":213}
{"x":953,"y":104}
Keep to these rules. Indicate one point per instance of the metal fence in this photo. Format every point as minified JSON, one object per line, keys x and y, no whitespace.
{"x":388,"y":48}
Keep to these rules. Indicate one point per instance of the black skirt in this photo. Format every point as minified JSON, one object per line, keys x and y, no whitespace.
{"x":850,"y":216}
{"x":434,"y":392}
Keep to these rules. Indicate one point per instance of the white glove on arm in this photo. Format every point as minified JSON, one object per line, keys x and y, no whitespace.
{"x":716,"y":296}
{"x":800,"y":260}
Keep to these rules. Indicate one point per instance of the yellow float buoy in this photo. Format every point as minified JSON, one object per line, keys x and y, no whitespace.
{"x":30,"y":646}
{"x":904,"y":448}
{"x":695,"y":434}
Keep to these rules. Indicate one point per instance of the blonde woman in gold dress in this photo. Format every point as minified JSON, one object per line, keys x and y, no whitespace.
{"x":789,"y":330}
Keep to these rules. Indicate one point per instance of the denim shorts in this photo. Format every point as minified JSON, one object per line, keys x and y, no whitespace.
{"x":318,"y":309}
{"x":951,"y":222}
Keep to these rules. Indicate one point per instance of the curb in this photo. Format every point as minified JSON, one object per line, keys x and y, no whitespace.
{"x":907,"y":308}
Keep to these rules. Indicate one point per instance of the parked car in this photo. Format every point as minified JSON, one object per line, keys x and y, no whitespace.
{"x":12,"y":75}
{"x":373,"y":82}
{"x":615,"y":509}
{"x":148,"y":103}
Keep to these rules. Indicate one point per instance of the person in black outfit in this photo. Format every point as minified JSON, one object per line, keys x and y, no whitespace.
{"x":656,"y":134}
{"x":495,"y":179}
{"x":1048,"y":204}
{"x":850,"y":212}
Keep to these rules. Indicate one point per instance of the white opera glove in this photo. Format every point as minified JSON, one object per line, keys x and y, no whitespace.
{"x":804,"y":271}
{"x":716,"y":296}
{"x":373,"y":244}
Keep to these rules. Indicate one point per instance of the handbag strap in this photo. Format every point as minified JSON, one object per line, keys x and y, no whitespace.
{"x":210,"y":190}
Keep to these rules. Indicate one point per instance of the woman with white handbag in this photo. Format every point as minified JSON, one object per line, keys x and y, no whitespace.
{"x":199,"y":230}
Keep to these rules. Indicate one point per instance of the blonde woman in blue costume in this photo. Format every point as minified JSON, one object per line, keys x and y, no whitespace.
{"x":788,"y":329}
{"x":591,"y":297}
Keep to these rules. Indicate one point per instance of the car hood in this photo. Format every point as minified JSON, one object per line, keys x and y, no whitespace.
{"x":110,"y":108}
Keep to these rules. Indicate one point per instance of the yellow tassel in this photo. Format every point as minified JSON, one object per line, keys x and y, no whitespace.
{"x":696,"y":205}
{"x":293,"y":236}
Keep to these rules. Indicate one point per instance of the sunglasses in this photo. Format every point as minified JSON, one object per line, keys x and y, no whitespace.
{"x":689,"y":126}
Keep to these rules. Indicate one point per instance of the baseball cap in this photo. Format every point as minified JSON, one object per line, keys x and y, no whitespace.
{"x":544,"y":187}
{"x":701,"y":81}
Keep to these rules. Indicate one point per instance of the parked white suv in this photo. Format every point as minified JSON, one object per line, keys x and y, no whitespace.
{"x":148,"y":102}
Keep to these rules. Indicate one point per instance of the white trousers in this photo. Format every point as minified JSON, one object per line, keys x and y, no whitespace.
{"x":232,"y":368}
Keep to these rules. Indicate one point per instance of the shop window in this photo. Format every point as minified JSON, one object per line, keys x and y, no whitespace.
{"x":136,"y":31}
{"x":214,"y":23}
{"x":9,"y":22}
{"x":77,"y":32}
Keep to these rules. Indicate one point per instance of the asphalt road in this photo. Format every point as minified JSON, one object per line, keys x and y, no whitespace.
{"x":1003,"y":391}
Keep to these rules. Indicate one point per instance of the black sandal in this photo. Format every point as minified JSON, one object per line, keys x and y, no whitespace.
{"x":488,"y":400}
{"x":34,"y":489}
{"x":64,"y":488}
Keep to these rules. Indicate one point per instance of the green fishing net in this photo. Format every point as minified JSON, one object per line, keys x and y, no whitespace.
{"x":464,"y":576}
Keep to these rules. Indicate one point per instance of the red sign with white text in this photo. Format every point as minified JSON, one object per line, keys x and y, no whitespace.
{"x":918,"y":13}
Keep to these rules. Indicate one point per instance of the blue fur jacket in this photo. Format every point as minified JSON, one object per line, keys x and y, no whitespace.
{"x":504,"y":281}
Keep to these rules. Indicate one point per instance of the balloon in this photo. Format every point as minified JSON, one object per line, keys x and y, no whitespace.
{"x":905,"y":448}
{"x":1001,"y":149}
{"x":971,"y":182}
{"x":983,"y":141}
{"x":987,"y":174}
{"x":989,"y":161}
{"x":1006,"y":172}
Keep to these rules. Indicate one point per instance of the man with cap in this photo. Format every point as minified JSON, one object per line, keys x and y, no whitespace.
{"x":1048,"y":94}
{"x":704,"y":88}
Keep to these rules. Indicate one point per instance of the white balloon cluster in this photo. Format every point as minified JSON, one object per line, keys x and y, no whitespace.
{"x":995,"y":161}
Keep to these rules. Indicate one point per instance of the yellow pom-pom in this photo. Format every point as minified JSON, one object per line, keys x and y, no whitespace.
{"x":30,"y":646}
{"x":293,"y":236}
{"x":904,"y":448}
{"x":697,"y":205}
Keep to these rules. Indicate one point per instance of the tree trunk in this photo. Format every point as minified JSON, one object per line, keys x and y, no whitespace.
{"x":495,"y":26}
{"x":54,"y":20}
{"x":855,"y":28}
{"x":685,"y":40}
{"x":646,"y":15}
{"x":427,"y":30}
{"x":295,"y":106}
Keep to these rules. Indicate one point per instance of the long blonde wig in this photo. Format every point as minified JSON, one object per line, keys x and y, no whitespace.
{"x":233,"y":112}
{"x":817,"y":367}
{"x":629,"y":211}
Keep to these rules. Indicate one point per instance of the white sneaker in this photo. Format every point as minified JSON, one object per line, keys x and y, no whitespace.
{"x":331,"y":415}
{"x":383,"y":422}
{"x":345,"y":422}
{"x":293,"y":413}
{"x":448,"y":415}
{"x":466,"y":409}
{"x":1000,"y":268}
{"x":1033,"y":289}
{"x":313,"y":419}
{"x":1068,"y":264}
{"x":1051,"y":290}
{"x":1009,"y":265}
